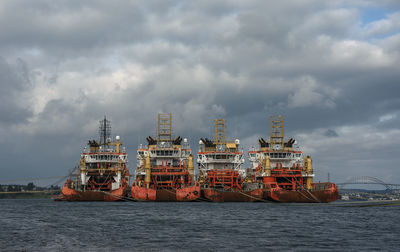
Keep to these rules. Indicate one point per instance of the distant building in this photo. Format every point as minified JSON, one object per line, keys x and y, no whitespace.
{"x":345,"y":197}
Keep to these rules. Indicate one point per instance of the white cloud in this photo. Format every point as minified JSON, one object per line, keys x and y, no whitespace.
{"x":387,"y":117}
{"x":385,"y":26}
{"x":308,"y":93}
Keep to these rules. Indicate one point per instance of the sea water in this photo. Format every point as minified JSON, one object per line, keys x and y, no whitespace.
{"x":46,"y":225}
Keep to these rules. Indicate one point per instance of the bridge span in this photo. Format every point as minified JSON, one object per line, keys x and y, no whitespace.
{"x":367,"y":180}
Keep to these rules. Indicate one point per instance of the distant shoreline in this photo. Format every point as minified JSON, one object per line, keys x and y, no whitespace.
{"x":29,"y":194}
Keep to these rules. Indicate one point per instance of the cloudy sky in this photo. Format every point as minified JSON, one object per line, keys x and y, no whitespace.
{"x":332,"y":68}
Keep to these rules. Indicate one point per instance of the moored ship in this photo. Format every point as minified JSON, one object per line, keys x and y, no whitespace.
{"x":102,"y":174}
{"x":165,"y":170}
{"x":221,"y":176}
{"x":285,"y":174}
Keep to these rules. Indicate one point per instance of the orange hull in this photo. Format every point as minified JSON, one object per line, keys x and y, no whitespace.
{"x":74,"y":195}
{"x":190,"y":193}
{"x":233,"y":196}
{"x":320,"y":196}
{"x":142,"y":193}
{"x":148,"y":194}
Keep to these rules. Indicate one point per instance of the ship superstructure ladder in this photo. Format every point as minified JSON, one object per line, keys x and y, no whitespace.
{"x":220,"y":140}
{"x":277,"y":132}
{"x":164,"y":127}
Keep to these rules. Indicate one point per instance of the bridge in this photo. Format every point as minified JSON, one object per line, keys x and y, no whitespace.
{"x":366,"y":180}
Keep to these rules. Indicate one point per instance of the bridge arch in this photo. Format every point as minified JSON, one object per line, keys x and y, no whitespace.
{"x":364,"y":180}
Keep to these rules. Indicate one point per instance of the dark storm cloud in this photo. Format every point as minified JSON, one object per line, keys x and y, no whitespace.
{"x":14,"y":83}
{"x":331,"y":133}
{"x":311,"y":61}
{"x":69,"y":24}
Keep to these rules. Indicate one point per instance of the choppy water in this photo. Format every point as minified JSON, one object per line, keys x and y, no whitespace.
{"x":45,"y":225}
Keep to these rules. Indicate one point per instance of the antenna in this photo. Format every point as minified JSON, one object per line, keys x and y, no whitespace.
{"x":165,"y":127}
{"x":104,"y":130}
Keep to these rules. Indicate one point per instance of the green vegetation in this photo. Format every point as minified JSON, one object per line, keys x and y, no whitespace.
{"x":29,"y":191}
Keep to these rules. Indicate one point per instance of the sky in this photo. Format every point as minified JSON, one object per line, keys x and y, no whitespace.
{"x":331,"y":68}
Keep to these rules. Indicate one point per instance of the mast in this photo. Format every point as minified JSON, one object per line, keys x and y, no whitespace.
{"x":104,"y":130}
{"x":277,"y":133}
{"x":164,"y":127}
{"x":220,"y":140}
